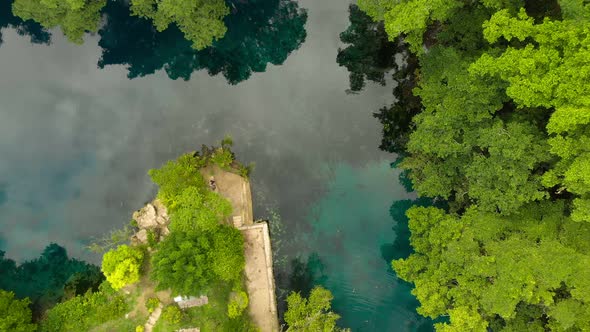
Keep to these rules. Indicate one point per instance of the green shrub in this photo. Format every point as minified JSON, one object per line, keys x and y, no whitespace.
{"x":172,"y":314}
{"x":227,"y":142}
{"x":222,"y":158}
{"x":217,"y":254}
{"x":81,"y":313}
{"x":151,"y":238}
{"x":15,"y":314}
{"x":175,"y":176}
{"x":200,"y":210}
{"x":122,"y":266}
{"x":311,"y":314}
{"x":245,"y":171}
{"x":238,"y":301}
{"x":152,"y":303}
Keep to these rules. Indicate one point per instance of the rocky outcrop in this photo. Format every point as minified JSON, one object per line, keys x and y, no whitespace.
{"x":152,"y":215}
{"x":161,"y":213}
{"x":151,"y":218}
{"x":141,"y":236}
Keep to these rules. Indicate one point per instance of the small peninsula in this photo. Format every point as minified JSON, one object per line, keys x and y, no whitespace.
{"x":192,"y":259}
{"x":204,"y":196}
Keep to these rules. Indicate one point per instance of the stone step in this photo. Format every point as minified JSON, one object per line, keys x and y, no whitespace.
{"x":148,"y":327}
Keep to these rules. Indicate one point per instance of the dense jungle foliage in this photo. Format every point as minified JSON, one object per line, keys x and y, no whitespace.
{"x":492,"y":117}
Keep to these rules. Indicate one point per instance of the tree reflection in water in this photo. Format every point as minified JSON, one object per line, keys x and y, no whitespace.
{"x":29,"y":28}
{"x":259,"y":32}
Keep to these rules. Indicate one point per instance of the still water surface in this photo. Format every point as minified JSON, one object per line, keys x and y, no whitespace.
{"x":77,"y":141}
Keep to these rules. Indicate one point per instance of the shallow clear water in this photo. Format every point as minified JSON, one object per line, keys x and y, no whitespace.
{"x":77,"y":141}
{"x":353,"y":240}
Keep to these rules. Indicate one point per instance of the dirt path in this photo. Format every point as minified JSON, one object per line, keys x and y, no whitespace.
{"x":149,"y":326}
{"x":234,"y":188}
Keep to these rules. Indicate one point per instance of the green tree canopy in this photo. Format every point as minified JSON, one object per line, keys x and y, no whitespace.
{"x":199,"y":209}
{"x":527,"y":272}
{"x":481,"y":137}
{"x":409,"y":17}
{"x":312,"y":314}
{"x":48,"y":279}
{"x":461,"y":150}
{"x":227,"y":255}
{"x":122,"y":266}
{"x":188,"y":262}
{"x":37,"y":34}
{"x":503,"y":135}
{"x":83,"y":312}
{"x":548,"y":68}
{"x":75,"y":17}
{"x":413,"y":18}
{"x":238,"y":302}
{"x":176,"y":176}
{"x":201,"y":21}
{"x":16,"y":315}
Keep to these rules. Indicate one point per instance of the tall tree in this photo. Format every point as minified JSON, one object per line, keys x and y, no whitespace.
{"x":418,"y":20}
{"x":502,"y":135}
{"x":409,"y":17}
{"x":75,"y":17}
{"x":199,"y":209}
{"x":570,"y":141}
{"x":312,"y":314}
{"x":37,"y":34}
{"x":45,"y":280}
{"x":201,"y":21}
{"x":547,"y":68}
{"x":188,"y":262}
{"x":16,"y":315}
{"x":174,"y":177}
{"x":84,"y":312}
{"x":122,"y":266}
{"x":527,"y":272}
{"x":461,"y":150}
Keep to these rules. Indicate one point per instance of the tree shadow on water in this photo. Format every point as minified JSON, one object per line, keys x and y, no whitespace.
{"x":369,"y":54}
{"x":34,"y":30}
{"x":300,"y":276}
{"x":401,"y":248}
{"x":259,"y":32}
{"x":306,"y":274}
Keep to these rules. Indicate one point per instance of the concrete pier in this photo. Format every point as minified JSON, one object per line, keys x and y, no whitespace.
{"x":260,"y":283}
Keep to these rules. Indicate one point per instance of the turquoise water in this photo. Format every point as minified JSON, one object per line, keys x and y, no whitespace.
{"x":79,"y":135}
{"x":354,"y":235}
